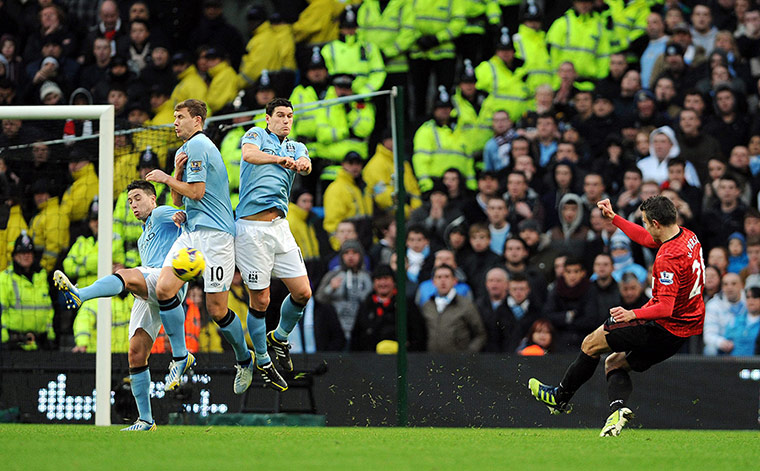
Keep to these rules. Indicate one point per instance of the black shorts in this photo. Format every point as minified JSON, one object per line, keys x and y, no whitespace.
{"x":645,"y":343}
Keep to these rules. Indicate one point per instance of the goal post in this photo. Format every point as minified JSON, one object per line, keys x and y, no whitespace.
{"x":105,"y":115}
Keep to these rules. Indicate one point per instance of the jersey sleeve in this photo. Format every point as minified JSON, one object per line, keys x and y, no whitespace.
{"x":253,"y":136}
{"x":163,"y":215}
{"x":635,"y":232}
{"x":197,"y":164}
{"x":302,"y":151}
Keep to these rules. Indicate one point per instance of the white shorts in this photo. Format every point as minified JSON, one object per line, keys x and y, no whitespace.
{"x":263,"y":248}
{"x":218,"y":249}
{"x":145,"y":312}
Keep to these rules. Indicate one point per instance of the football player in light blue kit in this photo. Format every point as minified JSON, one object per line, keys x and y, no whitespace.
{"x":201,"y":186}
{"x":264,"y":244}
{"x":159,"y":233}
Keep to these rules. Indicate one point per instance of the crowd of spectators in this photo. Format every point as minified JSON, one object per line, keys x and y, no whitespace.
{"x":521,"y":117}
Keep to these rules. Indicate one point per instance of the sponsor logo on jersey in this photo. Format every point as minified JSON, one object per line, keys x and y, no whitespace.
{"x":251,"y":133}
{"x":290,"y":147}
{"x":195,"y":165}
{"x":666,"y":278}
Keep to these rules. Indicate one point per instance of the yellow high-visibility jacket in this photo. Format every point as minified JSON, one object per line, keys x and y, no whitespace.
{"x":303,"y":232}
{"x":382,"y":30}
{"x":270,"y":48}
{"x":344,"y":127}
{"x":49,"y":230}
{"x":438,"y":148}
{"x":25,"y":303}
{"x":582,"y":40}
{"x":344,"y":200}
{"x":77,"y":199}
{"x":506,"y":88}
{"x":318,"y":23}
{"x":191,"y":85}
{"x":361,"y":59}
{"x":530,"y":47}
{"x":86,"y":324}
{"x":443,"y":19}
{"x":223,"y":87}
{"x":81,"y":263}
{"x":380,"y":176}
{"x":8,"y":236}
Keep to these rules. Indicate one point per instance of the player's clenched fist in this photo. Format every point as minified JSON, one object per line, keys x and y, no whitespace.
{"x":158,"y":176}
{"x":606,"y":208}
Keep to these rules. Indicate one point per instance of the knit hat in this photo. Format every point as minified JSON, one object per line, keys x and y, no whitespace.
{"x":351,"y":244}
{"x":528,"y":225}
{"x":49,"y":87}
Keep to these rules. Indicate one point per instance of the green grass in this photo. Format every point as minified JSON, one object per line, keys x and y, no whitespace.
{"x":79,"y":447}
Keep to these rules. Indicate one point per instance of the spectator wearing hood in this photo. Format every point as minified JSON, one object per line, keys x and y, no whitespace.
{"x":570,"y":235}
{"x":622,"y":258}
{"x":730,"y":125}
{"x":347,"y":285}
{"x":737,"y":253}
{"x":25,"y":301}
{"x":663,"y":146}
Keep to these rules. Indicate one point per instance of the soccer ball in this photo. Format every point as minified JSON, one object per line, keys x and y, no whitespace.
{"x":188,"y":264}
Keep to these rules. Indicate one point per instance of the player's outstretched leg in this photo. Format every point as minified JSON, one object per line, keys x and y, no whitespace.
{"x":615,"y":422}
{"x":549,"y":396}
{"x":105,"y":287}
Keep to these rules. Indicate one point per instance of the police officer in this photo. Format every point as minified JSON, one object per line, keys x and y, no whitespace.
{"x":350,"y":55}
{"x":468,"y":103}
{"x":503,"y":77}
{"x":440,"y":145}
{"x":530,"y":46}
{"x":27,"y":311}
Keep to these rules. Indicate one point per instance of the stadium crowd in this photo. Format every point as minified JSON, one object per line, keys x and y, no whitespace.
{"x":519,"y":122}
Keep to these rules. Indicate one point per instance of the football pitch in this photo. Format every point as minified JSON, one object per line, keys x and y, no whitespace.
{"x":81,"y":447}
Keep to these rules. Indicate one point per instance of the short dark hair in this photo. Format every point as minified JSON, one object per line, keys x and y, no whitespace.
{"x":575,"y":260}
{"x":753,"y":241}
{"x":603,"y":255}
{"x":194,"y":108}
{"x":628,"y":277}
{"x":446,"y":267}
{"x":147,"y":187}
{"x":419,"y":229}
{"x":660,"y":209}
{"x":634,"y":169}
{"x":677,"y":161}
{"x":753,"y":291}
{"x":731,"y":177}
{"x":519,"y":277}
{"x":752,"y":213}
{"x":278,"y":102}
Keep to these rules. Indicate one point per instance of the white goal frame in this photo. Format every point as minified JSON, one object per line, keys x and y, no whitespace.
{"x":105,"y":115}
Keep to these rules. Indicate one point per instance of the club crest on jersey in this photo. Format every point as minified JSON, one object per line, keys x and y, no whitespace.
{"x":195,"y":166}
{"x":666,"y":278}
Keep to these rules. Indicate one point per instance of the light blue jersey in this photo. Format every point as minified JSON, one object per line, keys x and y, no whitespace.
{"x":159,"y":233}
{"x":267,"y":186}
{"x":205,"y":164}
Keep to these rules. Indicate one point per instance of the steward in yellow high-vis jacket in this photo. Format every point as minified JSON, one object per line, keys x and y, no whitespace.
{"x":503,"y":78}
{"x":343,"y":128}
{"x":313,"y":87}
{"x":11,"y":224}
{"x":86,"y":325}
{"x":81,"y":263}
{"x":344,"y":199}
{"x":471,"y":117}
{"x":350,"y":55}
{"x":531,"y":48}
{"x":27,"y":321}
{"x":439,"y":145}
{"x":224,"y":82}
{"x":49,"y":228}
{"x":380,"y":176}
{"x":272,"y":48}
{"x":191,"y":84}
{"x":581,"y":37}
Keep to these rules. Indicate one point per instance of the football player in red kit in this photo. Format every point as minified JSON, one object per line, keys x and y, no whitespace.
{"x":641,"y":337}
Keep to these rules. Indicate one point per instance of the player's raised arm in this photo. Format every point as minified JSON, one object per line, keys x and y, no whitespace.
{"x":253,"y":155}
{"x":636,"y":233}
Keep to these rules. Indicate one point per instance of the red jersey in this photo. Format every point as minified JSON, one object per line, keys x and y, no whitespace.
{"x":678,"y":277}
